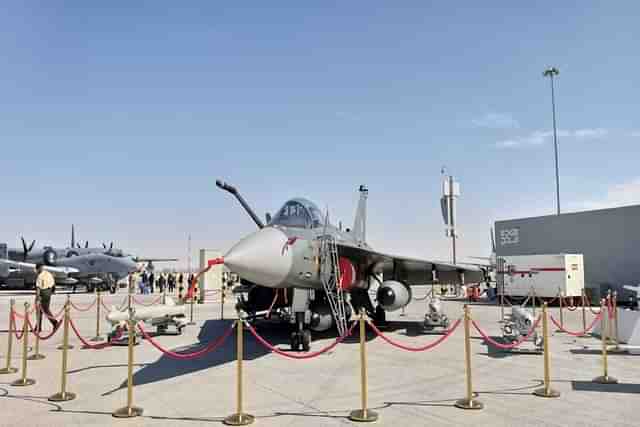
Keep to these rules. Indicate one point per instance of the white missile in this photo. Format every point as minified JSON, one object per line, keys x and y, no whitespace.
{"x":163,"y":314}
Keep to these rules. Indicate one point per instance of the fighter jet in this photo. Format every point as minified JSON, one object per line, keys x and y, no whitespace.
{"x":314,"y":274}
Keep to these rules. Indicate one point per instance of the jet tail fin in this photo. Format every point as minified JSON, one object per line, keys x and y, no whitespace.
{"x":360,"y":223}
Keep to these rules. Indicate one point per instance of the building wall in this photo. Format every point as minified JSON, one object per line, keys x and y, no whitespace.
{"x":213,"y":278}
{"x":609,"y":239}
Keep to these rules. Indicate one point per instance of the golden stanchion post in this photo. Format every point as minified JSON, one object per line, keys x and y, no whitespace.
{"x":604,"y":378}
{"x":584,"y":314}
{"x":546,"y":390}
{"x":191,"y":322}
{"x":468,"y":402}
{"x":8,"y":369}
{"x":36,"y":348}
{"x":64,"y":395}
{"x":24,"y":381}
{"x":129,"y":411}
{"x":561,"y":312}
{"x":222,"y":303}
{"x":609,"y":322}
{"x":66,"y":345}
{"x":533,"y":301}
{"x":363,"y":414}
{"x":97,"y":337}
{"x":616,"y":337}
{"x":239,"y":418}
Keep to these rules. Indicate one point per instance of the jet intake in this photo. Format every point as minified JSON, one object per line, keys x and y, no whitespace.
{"x":393,"y":295}
{"x":49,"y":257}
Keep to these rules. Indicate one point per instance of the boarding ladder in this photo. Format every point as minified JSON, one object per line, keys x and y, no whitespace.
{"x":330,"y":276}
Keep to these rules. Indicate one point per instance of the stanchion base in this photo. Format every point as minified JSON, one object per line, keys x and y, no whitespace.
{"x":469,"y":404}
{"x":544,"y":392}
{"x":127,"y":412}
{"x":23,"y":382}
{"x":61,"y":347}
{"x":36,"y":356}
{"x":239,"y":420}
{"x":361,"y":416}
{"x":8,"y":371}
{"x":97,"y":338}
{"x":605,"y":379}
{"x":62,"y":397}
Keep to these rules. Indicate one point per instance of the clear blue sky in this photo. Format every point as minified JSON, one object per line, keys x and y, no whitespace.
{"x":119,"y":117}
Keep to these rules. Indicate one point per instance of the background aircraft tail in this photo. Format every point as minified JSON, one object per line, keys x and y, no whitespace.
{"x":360,"y":223}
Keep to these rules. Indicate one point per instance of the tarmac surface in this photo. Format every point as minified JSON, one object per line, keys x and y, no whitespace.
{"x":405,"y":388}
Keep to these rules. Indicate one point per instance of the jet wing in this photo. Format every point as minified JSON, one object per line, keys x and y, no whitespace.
{"x":31,"y":266}
{"x":412,"y":271}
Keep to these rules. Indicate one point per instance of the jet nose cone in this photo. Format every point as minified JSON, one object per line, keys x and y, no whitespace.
{"x":261,"y":257}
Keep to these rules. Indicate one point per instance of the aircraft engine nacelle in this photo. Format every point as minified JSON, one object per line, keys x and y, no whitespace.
{"x":49,"y":257}
{"x":393,"y":295}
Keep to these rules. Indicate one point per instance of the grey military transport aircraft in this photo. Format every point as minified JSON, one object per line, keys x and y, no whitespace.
{"x":313,"y":274}
{"x":93,"y":267}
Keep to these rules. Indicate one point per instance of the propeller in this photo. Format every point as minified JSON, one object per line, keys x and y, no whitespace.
{"x":86,"y":244}
{"x":25,"y":249}
{"x":104,"y":245}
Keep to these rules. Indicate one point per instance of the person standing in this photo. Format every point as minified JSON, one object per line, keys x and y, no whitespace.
{"x":180,"y":282}
{"x":172,"y":282}
{"x":152,"y":279}
{"x":44,"y":287}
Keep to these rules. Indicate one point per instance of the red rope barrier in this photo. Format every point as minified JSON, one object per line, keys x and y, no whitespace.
{"x":15,"y":326}
{"x":21,"y":316}
{"x":86,"y":343}
{"x":590,"y":306}
{"x":276,"y":350}
{"x":154,"y":302}
{"x":44,"y":337}
{"x":416,"y":349}
{"x":122,"y":306}
{"x":213,"y":345}
{"x":507,"y":346}
{"x":83,"y":309}
{"x":577,"y":334}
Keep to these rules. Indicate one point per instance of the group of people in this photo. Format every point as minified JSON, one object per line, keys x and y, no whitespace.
{"x":149,"y":282}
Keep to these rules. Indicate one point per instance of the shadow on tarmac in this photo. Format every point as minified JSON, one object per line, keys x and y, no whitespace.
{"x":276,"y":333}
{"x":331,"y":414}
{"x":605,"y":388}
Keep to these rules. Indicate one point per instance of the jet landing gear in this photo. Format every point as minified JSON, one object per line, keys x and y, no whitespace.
{"x":301,"y":337}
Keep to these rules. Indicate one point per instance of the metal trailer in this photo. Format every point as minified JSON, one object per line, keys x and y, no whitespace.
{"x":545,"y":276}
{"x":609,"y":240}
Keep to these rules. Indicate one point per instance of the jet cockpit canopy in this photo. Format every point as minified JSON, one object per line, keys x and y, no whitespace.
{"x":300,"y":213}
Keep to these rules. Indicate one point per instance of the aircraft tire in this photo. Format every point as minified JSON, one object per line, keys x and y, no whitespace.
{"x":306,"y":340}
{"x":295,"y":341}
{"x":90,"y":288}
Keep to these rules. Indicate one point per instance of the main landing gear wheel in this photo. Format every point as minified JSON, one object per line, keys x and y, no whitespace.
{"x":301,"y":341}
{"x":306,"y":340}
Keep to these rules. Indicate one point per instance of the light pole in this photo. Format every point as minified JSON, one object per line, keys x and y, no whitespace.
{"x":550,"y":72}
